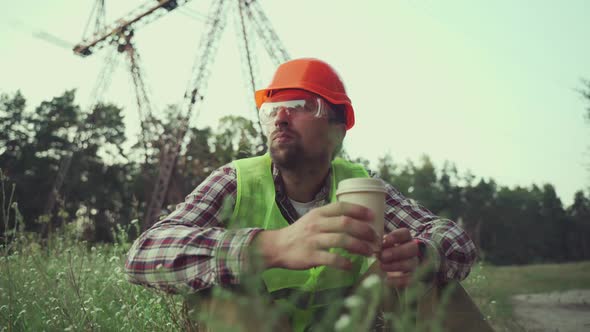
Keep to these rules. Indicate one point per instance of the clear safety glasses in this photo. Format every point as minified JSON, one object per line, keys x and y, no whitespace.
{"x":310,"y":106}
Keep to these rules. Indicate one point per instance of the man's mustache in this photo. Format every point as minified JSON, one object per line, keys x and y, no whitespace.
{"x":282,"y":131}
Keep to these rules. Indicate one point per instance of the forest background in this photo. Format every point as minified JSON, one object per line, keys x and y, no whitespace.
{"x":107,"y":188}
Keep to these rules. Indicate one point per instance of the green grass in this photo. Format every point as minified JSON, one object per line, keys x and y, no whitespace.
{"x":67,"y":285}
{"x":492,"y":287}
{"x":71,"y":286}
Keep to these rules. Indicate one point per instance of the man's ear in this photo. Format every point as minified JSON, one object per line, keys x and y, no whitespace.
{"x":342,"y":130}
{"x":339,"y":133}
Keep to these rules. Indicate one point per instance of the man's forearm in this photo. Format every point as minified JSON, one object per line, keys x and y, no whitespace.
{"x":178,"y":257}
{"x":451,"y":250}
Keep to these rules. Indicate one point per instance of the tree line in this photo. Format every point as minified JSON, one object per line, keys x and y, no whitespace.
{"x":107,"y":186}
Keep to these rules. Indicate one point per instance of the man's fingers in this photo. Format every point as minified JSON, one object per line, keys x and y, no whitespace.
{"x":398,"y":236}
{"x":347,"y":209}
{"x":400,"y":252}
{"x":332,"y":260}
{"x":407,"y":265}
{"x":340,"y":240}
{"x":348,"y":225}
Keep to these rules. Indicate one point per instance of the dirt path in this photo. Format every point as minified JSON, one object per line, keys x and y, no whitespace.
{"x":557,"y":311}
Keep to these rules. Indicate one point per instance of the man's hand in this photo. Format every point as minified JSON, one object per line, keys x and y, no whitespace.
{"x":399,"y":257}
{"x":305,"y":243}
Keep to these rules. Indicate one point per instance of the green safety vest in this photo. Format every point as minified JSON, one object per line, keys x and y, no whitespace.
{"x":307,"y":290}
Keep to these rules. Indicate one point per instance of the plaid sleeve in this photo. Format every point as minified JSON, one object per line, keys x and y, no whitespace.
{"x":191,"y":249}
{"x":457,"y":253}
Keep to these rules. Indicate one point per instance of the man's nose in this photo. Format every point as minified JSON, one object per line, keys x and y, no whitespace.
{"x":282,"y":118}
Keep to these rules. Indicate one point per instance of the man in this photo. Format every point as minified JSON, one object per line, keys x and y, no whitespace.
{"x":283,"y":207}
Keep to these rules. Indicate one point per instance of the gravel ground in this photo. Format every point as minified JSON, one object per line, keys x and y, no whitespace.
{"x":557,"y":311}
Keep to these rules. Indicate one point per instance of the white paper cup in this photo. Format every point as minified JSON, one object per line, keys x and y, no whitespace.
{"x":367,"y":192}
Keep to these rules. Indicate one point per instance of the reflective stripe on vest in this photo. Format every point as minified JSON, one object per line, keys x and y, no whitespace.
{"x":256,"y":207}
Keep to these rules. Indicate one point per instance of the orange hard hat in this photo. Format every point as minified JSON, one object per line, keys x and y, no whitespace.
{"x":314,"y":76}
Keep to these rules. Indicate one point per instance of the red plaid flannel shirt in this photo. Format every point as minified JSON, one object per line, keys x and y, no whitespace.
{"x":192,"y":250}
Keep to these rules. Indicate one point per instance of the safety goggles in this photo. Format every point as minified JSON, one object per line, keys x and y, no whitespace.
{"x":294,"y":104}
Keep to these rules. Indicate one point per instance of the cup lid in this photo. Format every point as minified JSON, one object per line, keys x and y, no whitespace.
{"x":360,"y":184}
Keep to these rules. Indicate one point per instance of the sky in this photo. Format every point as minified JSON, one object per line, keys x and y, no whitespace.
{"x":491,"y":86}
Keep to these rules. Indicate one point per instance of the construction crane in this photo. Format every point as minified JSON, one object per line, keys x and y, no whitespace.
{"x":249,"y":15}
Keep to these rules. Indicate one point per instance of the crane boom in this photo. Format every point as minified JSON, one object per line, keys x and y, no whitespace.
{"x":140,"y":14}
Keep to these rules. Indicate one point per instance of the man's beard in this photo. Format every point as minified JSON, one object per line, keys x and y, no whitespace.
{"x":293,"y":157}
{"x":287,"y":156}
